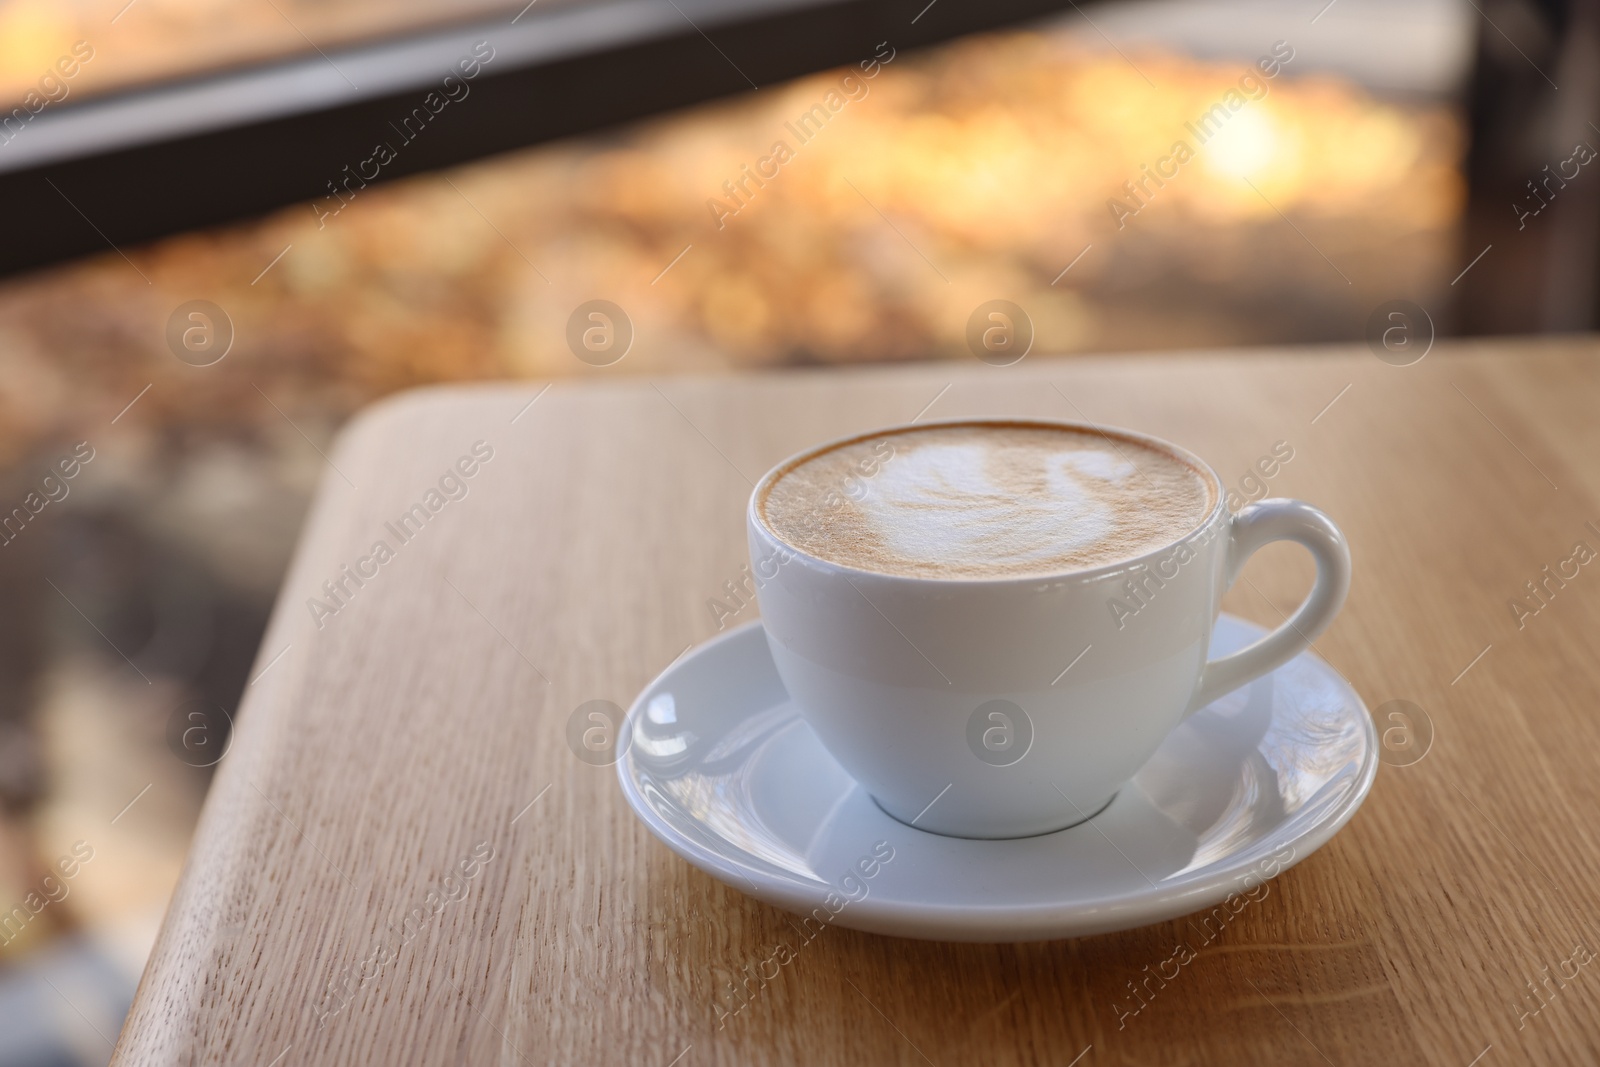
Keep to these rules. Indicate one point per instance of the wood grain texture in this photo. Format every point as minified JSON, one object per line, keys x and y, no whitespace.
{"x":416,"y":725}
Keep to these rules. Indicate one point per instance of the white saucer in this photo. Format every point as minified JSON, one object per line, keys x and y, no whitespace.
{"x":721,"y":768}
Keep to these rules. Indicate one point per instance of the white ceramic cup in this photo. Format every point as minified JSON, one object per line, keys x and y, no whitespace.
{"x":1008,"y":707}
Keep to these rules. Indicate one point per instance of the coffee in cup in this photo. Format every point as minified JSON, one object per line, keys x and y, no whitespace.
{"x":985,"y":500}
{"x":928,"y":588}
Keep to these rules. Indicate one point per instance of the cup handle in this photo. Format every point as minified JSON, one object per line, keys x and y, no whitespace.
{"x":1260,"y":524}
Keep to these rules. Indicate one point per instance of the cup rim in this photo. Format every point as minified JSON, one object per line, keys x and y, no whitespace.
{"x":1214,"y":483}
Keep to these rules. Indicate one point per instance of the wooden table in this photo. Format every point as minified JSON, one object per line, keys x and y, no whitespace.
{"x":408,"y":755}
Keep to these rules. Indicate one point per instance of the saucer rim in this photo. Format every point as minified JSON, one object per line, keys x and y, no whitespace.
{"x":1187,"y":893}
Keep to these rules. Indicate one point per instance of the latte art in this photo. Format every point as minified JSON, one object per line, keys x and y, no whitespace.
{"x":986,"y":499}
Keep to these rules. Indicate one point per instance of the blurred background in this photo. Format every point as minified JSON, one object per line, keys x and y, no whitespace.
{"x":222,"y":152}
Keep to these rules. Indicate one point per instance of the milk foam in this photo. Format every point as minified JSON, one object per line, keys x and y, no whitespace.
{"x":986,"y":499}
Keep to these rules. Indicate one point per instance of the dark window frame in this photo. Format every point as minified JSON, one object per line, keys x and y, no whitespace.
{"x":134,"y":166}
